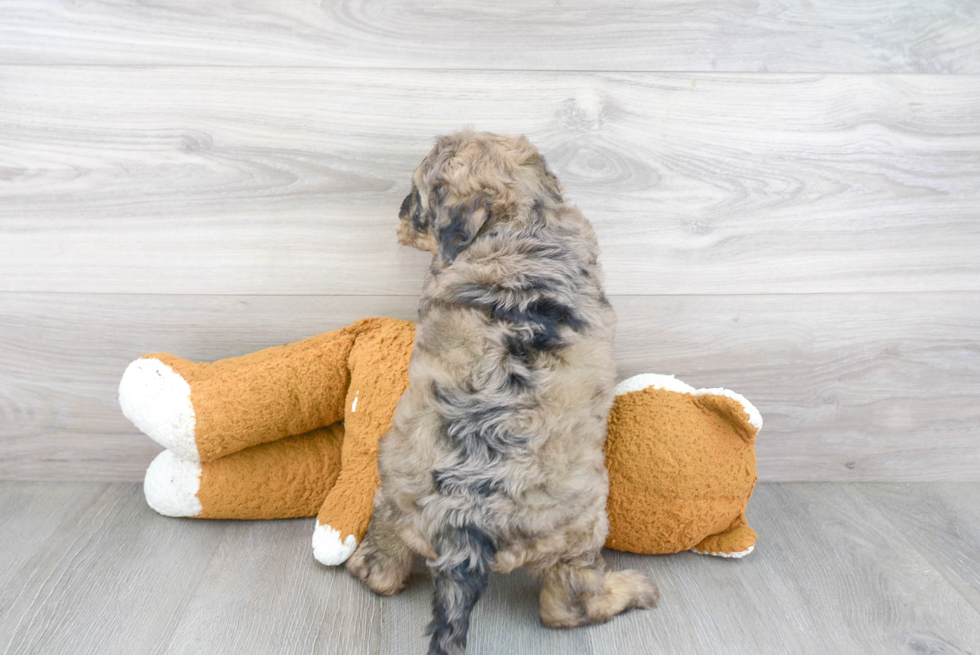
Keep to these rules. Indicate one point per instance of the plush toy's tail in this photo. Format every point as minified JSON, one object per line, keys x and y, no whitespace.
{"x":461,"y":573}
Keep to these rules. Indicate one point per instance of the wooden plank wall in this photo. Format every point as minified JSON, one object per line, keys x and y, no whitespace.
{"x":787,"y":195}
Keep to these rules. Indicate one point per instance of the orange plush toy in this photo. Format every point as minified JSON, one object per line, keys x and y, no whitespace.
{"x":293,"y":431}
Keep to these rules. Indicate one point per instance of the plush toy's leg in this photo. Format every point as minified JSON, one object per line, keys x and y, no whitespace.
{"x":379,"y":376}
{"x":202,"y":412}
{"x":737,"y":541}
{"x":344,"y":515}
{"x":282,"y":479}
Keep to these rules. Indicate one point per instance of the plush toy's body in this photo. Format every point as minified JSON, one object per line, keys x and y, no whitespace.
{"x":293,"y":431}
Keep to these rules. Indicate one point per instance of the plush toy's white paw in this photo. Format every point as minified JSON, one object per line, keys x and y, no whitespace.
{"x":171,"y":485}
{"x":729,"y":555}
{"x":670,"y":383}
{"x":328,"y":548}
{"x":158,"y":402}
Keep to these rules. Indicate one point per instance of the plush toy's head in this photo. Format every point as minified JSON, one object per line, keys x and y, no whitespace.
{"x":681,"y":468}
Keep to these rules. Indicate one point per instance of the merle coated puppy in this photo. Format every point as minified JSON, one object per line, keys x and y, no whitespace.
{"x":495,"y":457}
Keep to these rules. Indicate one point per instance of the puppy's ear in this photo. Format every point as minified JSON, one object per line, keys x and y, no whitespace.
{"x":551,"y":183}
{"x":459,"y":223}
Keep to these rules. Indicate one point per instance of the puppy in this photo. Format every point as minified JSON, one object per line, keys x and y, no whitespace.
{"x":495,"y":456}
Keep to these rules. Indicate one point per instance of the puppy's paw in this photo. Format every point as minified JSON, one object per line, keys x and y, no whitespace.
{"x":384,"y":575}
{"x":637,"y":586}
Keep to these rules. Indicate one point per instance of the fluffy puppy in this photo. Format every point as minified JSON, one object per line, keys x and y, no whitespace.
{"x":495,"y":456}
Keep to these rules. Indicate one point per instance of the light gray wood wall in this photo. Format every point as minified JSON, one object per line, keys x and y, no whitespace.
{"x":787,"y":195}
{"x":823,"y":36}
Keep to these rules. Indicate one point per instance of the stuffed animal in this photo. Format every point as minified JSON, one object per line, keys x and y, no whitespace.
{"x":293,"y":431}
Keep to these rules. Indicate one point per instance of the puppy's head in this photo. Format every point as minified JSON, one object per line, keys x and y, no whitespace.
{"x":467,"y":181}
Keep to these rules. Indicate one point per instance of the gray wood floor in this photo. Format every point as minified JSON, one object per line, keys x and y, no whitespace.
{"x":840,"y":568}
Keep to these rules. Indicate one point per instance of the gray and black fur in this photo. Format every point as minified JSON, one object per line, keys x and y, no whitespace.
{"x":495,"y":459}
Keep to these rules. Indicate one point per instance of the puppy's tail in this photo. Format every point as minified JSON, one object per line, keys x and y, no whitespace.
{"x":460,"y":573}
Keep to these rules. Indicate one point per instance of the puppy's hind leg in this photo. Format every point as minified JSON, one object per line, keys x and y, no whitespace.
{"x":382,"y":561}
{"x":581,"y":593}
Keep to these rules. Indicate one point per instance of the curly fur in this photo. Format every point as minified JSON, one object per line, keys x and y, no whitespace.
{"x":495,"y":458}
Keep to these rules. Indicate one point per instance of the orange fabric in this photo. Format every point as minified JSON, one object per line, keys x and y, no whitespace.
{"x":266,"y":395}
{"x":681,"y":468}
{"x":736,"y":539}
{"x":379,"y":376}
{"x":286,"y":478}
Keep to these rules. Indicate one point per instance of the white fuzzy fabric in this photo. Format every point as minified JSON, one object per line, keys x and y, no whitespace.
{"x":655,"y":380}
{"x":158,"y":402}
{"x":728,"y":555}
{"x":328,"y":548}
{"x":171,"y":485}
{"x":670,"y":383}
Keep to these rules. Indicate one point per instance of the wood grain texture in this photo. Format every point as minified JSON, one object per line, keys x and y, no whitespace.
{"x":30,"y":516}
{"x":942,"y":522}
{"x":63,"y":355}
{"x":830,"y":574}
{"x":114,"y":577}
{"x":841,"y":563}
{"x":263,"y":592}
{"x":852,"y":387}
{"x":288,"y":181}
{"x":677,"y":35}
